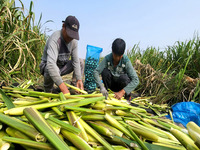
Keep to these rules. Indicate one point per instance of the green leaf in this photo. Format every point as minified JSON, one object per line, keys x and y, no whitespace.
{"x":7,"y":100}
{"x":148,"y":145}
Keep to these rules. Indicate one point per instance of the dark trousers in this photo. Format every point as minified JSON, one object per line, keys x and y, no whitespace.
{"x":115,"y":84}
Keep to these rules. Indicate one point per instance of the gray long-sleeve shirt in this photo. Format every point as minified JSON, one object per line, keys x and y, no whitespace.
{"x":57,"y":53}
{"x":124,"y":67}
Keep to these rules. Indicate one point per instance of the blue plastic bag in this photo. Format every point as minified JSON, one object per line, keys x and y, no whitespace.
{"x":185,"y":112}
{"x":91,"y":62}
{"x":93,"y":52}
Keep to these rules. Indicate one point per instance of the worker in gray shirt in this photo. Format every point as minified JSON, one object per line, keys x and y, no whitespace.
{"x":117,"y":72}
{"x":60,"y":57}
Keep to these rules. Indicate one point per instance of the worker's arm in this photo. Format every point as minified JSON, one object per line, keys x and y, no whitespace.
{"x":75,"y":61}
{"x":79,"y":84}
{"x":63,"y":88}
{"x":120,"y":94}
{"x":98,"y":71}
{"x":52,"y":56}
{"x":133,"y":77}
{"x":96,"y":74}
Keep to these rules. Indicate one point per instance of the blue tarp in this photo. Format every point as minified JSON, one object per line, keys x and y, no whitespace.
{"x":185,"y":112}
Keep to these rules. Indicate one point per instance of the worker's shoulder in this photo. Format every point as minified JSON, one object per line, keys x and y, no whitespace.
{"x":56,"y":34}
{"x":108,"y":57}
{"x":74,"y":42}
{"x":125,"y":59}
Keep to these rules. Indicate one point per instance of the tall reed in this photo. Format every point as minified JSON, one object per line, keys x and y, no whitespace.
{"x":172,"y":74}
{"x":21,"y":42}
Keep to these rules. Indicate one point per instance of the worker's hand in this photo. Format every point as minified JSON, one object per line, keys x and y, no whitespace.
{"x":79,"y":84}
{"x":120,"y":94}
{"x":104,"y":92}
{"x":64,"y":88}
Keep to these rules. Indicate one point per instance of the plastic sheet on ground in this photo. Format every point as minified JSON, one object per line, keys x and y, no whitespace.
{"x":185,"y":112}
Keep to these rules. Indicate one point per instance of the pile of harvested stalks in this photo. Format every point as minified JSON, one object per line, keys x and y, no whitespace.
{"x":38,"y":120}
{"x":167,"y":88}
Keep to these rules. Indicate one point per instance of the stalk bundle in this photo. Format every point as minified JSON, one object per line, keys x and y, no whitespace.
{"x":90,"y":122}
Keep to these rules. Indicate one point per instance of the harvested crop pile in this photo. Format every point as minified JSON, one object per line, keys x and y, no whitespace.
{"x":39,"y":120}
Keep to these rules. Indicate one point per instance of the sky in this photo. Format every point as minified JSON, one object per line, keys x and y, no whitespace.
{"x":156,"y":23}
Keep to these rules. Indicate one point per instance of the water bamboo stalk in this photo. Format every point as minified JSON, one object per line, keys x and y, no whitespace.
{"x":74,"y":121}
{"x":29,"y":143}
{"x":100,"y":129}
{"x":64,"y":125}
{"x":76,"y":140}
{"x":40,"y":123}
{"x":184,"y":139}
{"x":76,"y":88}
{"x":19,"y":110}
{"x":117,"y":125}
{"x":96,"y":135}
{"x":83,"y":109}
{"x":21,"y":126}
{"x":137,"y":139}
{"x":98,"y":117}
{"x":114,"y":130}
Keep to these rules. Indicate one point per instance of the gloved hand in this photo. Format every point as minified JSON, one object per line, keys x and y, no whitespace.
{"x":104,"y":91}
